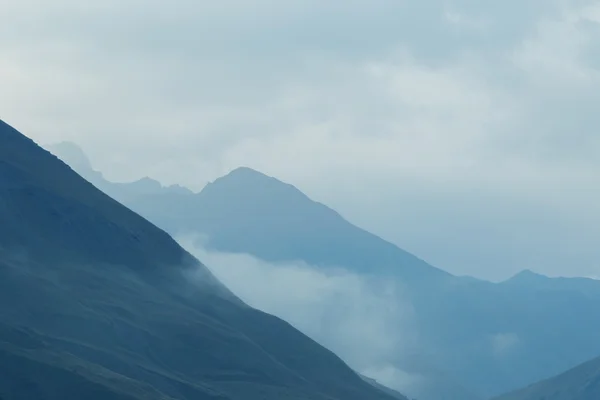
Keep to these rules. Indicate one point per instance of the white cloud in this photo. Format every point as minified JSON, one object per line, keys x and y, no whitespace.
{"x":552,"y":56}
{"x":366,"y":322}
{"x":395,"y":378}
{"x":463,"y":21}
{"x":374,"y":98}
{"x":590,"y":12}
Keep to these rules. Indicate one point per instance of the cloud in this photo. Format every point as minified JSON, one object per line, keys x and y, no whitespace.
{"x":462,"y":21}
{"x":504,"y":343}
{"x":386,"y":101}
{"x":365,"y":321}
{"x":396,"y":379}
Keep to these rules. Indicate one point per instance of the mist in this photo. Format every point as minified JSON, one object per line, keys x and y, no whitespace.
{"x":478,"y":119}
{"x":365,"y":321}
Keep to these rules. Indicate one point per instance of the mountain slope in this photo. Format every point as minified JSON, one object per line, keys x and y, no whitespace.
{"x":580,"y":383}
{"x":533,"y":281}
{"x":260,"y":208}
{"x":478,"y":336}
{"x":97,"y":301}
{"x":47,"y":205}
{"x":247,"y":211}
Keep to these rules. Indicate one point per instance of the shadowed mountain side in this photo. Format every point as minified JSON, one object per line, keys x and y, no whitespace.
{"x":47,"y":207}
{"x":246,"y":209}
{"x":97,"y":301}
{"x":580,"y":383}
{"x":78,"y":160}
{"x":35,"y":371}
{"x":387,"y":390}
{"x":249,"y":212}
{"x":488,"y":338}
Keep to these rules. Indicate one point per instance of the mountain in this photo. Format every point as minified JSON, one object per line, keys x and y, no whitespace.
{"x":249,"y":212}
{"x":97,"y":302}
{"x":261,"y":207}
{"x":385,"y":389}
{"x":477,"y":339}
{"x":533,"y":281}
{"x":580,"y":383}
{"x":74,"y":156}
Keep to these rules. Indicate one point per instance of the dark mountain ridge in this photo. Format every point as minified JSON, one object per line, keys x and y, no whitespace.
{"x":70,"y":205}
{"x":245,"y":211}
{"x":488,"y":338}
{"x":98,"y":302}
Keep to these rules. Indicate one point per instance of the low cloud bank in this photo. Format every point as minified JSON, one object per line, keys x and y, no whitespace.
{"x":364,"y":321}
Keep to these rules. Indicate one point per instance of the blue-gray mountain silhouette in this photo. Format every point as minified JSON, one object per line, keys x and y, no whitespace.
{"x":98,"y":303}
{"x":488,"y":337}
{"x":247,"y":211}
{"x":579,"y":383}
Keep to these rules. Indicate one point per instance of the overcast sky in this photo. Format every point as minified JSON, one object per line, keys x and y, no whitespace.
{"x":465,"y":131}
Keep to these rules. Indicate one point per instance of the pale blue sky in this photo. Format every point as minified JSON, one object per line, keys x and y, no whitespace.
{"x":465,"y":131}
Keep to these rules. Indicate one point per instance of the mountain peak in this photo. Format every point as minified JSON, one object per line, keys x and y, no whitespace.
{"x":48,"y":209}
{"x":5,"y":129}
{"x":529,"y":273}
{"x":247,"y":174}
{"x":247,"y":171}
{"x":112,"y":284}
{"x":72,"y":154}
{"x":148,"y":183}
{"x":527,"y":276}
{"x":251,"y":184}
{"x":248,"y":211}
{"x":10,"y":134}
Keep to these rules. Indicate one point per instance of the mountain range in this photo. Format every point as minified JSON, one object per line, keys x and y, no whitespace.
{"x":579,"y":383}
{"x":486,"y":338}
{"x":247,"y":211}
{"x":98,"y":303}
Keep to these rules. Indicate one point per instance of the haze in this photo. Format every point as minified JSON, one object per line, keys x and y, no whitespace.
{"x":464,"y":131}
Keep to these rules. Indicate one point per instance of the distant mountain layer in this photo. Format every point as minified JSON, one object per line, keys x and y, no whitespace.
{"x":98,"y":303}
{"x":476,"y":339}
{"x":532,"y":281}
{"x":580,"y":383}
{"x":247,"y":211}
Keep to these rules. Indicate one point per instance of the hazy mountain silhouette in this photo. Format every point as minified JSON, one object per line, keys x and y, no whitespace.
{"x":247,"y":211}
{"x":74,"y":156}
{"x":490,"y":338}
{"x":385,"y":389}
{"x":580,"y":383}
{"x":98,"y":303}
{"x":532,"y":280}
